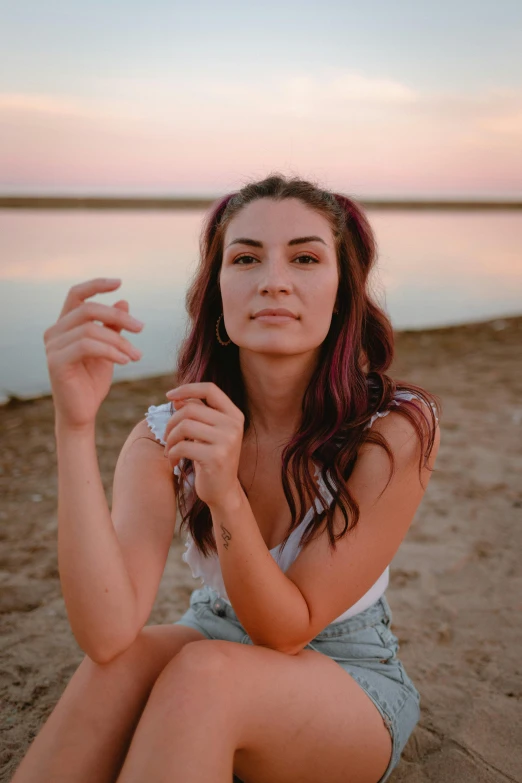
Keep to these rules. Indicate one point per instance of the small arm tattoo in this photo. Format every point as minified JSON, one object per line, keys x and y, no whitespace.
{"x":226,"y":535}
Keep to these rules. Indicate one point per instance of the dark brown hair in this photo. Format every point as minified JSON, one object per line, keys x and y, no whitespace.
{"x":349,"y":384}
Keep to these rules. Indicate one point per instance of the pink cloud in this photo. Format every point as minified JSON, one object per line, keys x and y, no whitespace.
{"x":367,"y":135}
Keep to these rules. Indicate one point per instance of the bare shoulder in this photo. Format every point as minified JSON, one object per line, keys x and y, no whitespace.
{"x":146,"y":454}
{"x":402,"y":438}
{"x":142,"y":430}
{"x":142,"y":443}
{"x":142,"y":459}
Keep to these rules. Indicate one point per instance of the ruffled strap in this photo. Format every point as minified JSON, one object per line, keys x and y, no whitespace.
{"x":157,"y":417}
{"x":400,"y":395}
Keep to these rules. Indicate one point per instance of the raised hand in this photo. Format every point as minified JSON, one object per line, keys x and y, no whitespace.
{"x":81,"y":353}
{"x":211,"y":435}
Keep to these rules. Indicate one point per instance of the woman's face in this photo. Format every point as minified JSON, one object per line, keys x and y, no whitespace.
{"x":265,"y":267}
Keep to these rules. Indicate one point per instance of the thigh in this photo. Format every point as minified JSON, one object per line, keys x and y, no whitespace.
{"x":292,"y":717}
{"x":364,"y":646}
{"x":369,"y":655}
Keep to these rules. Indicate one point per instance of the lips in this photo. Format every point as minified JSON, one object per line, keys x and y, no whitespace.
{"x":276,"y":311}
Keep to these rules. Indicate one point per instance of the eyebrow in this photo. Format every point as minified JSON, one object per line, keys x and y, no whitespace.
{"x":256,"y":243}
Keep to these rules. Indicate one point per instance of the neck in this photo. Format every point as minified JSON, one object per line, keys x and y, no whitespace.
{"x":274,"y":389}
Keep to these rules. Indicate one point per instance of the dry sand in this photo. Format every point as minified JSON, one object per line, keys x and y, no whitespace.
{"x":456,"y":582}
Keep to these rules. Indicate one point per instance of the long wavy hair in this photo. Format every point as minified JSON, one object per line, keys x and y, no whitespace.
{"x":349,"y":383}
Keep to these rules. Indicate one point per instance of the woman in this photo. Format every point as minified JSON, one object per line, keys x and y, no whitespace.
{"x":298,"y":680}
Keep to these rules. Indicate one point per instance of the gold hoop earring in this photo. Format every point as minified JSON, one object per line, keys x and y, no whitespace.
{"x":217,"y":332}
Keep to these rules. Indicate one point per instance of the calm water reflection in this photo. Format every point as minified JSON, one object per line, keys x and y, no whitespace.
{"x":434,"y":268}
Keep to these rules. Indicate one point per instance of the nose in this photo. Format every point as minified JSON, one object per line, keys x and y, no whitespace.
{"x":275,"y":277}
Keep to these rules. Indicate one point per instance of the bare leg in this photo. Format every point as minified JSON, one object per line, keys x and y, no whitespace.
{"x":189,"y":725}
{"x":87,"y":735}
{"x":222,"y":707}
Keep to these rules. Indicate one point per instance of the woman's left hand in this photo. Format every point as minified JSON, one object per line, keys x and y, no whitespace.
{"x":211,"y":435}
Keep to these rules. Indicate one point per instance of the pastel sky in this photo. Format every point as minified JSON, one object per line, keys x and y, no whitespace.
{"x":377,"y":98}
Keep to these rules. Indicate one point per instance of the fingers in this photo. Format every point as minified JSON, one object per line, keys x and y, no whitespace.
{"x":81,"y":291}
{"x":191,"y":450}
{"x":94,"y":311}
{"x":187,"y":400}
{"x":114,"y":318}
{"x":76,"y":334}
{"x":89,"y":332}
{"x":194,"y":408}
{"x":77,"y":350}
{"x":122,"y":305}
{"x":209,"y":392}
{"x":191,"y":430}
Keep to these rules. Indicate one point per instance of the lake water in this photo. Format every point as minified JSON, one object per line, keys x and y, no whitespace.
{"x":435,"y":268}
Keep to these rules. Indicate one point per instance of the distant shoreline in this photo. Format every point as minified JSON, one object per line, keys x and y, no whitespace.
{"x":175,"y":202}
{"x":493,"y":330}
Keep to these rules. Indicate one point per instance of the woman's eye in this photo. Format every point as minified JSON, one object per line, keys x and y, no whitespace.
{"x":310,"y":257}
{"x":240,"y":258}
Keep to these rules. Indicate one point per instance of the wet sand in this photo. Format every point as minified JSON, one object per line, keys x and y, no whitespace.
{"x":456,"y":581}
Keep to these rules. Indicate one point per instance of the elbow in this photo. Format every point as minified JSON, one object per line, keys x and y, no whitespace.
{"x":295,"y":649}
{"x":105,"y":647}
{"x":290,"y":648}
{"x":279,"y":647}
{"x":103,"y":655}
{"x":98,"y":658}
{"x":289,"y":640}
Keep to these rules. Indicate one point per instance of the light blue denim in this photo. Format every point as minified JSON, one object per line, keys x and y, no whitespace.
{"x":363,"y":645}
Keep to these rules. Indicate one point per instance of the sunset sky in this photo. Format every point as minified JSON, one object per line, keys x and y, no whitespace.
{"x":381,"y":98}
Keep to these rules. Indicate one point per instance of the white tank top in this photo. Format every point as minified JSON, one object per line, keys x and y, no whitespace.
{"x":209,"y":569}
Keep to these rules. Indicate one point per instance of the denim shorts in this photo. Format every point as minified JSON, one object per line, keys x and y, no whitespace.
{"x":363,"y":645}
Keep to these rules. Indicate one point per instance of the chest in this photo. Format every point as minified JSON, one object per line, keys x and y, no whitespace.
{"x":267,"y":499}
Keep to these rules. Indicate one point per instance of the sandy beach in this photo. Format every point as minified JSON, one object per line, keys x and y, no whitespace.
{"x":456,"y":582}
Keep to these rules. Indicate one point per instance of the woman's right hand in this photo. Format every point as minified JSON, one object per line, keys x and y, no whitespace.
{"x":81,"y":353}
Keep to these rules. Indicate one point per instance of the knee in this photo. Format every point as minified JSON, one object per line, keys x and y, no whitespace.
{"x":201,"y":661}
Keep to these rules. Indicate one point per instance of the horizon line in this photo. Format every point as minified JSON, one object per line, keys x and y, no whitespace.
{"x":13,"y":201}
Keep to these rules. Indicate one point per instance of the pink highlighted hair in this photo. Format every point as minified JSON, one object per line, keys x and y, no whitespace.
{"x":349,"y":385}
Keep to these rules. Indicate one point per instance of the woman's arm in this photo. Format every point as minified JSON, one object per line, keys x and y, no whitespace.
{"x":268,"y":604}
{"x":108,"y":596}
{"x":285,"y":611}
{"x":96,"y":587}
{"x":280,"y":610}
